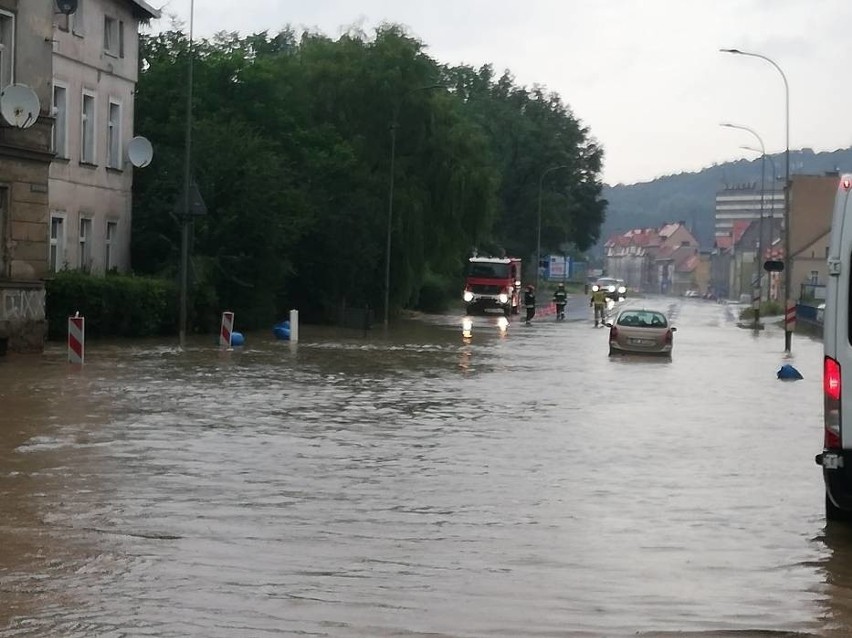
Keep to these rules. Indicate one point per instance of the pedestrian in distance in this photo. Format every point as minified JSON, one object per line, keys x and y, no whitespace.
{"x":529,"y":302}
{"x":598,"y":302}
{"x":560,"y":298}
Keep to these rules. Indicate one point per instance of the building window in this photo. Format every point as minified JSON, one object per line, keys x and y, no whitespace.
{"x":113,"y":36}
{"x":109,"y":248}
{"x":114,"y":136}
{"x":7,"y":48}
{"x":57,"y":243}
{"x":87,"y":129}
{"x":60,"y":121}
{"x":85,"y":243}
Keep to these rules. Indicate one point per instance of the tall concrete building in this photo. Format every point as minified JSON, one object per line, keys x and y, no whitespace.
{"x":744,"y":202}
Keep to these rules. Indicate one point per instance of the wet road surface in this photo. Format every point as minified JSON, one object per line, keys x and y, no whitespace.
{"x":420,"y":484}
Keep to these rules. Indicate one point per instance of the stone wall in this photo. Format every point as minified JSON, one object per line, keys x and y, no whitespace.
{"x":22,"y":316}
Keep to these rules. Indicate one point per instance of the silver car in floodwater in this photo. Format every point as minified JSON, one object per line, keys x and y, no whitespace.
{"x":641,"y":331}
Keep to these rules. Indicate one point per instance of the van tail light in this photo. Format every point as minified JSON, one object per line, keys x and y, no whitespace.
{"x":831,"y":392}
{"x":668,"y":337}
{"x":613,"y":334}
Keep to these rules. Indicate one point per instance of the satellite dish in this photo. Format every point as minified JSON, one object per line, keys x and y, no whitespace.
{"x":19,"y":105}
{"x":140,"y":152}
{"x":66,"y":6}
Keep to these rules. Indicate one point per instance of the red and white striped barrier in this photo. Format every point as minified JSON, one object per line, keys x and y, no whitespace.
{"x":226,"y":330}
{"x":790,"y":316}
{"x":544,"y":311}
{"x":76,"y":339}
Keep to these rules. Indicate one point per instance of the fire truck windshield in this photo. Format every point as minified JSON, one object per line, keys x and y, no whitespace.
{"x":488,"y":271}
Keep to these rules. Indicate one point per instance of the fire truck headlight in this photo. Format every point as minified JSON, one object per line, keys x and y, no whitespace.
{"x":468,"y":296}
{"x":595,"y":288}
{"x":504,"y":298}
{"x":621,"y":290}
{"x":611,"y":288}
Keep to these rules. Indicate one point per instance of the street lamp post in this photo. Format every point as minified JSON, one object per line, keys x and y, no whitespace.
{"x":538,"y":232}
{"x":184,"y":234}
{"x":788,"y":262}
{"x":765,"y":157}
{"x":393,"y":126}
{"x":758,"y":268}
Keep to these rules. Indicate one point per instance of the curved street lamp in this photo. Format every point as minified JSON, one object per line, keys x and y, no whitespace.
{"x":788,"y":335}
{"x":538,"y":232}
{"x":393,"y":126}
{"x":758,"y":267}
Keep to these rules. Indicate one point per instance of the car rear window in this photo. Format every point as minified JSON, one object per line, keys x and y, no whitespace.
{"x":642,"y":319}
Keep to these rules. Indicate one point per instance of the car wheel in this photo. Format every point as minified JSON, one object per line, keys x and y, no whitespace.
{"x":834,"y":513}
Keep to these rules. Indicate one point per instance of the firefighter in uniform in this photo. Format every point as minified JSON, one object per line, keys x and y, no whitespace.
{"x":529,"y":302}
{"x":598,"y":301}
{"x":560,"y":298}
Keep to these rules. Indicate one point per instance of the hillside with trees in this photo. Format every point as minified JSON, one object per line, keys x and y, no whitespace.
{"x":690,"y":197}
{"x":292,"y":156}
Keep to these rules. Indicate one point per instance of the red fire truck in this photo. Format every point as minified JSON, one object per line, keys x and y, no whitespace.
{"x":493,"y":285}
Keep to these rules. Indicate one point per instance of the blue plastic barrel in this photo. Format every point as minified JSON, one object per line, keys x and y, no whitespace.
{"x":282,"y":331}
{"x":237,"y":339}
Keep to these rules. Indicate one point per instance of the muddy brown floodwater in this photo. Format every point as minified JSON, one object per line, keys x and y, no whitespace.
{"x":420,"y":484}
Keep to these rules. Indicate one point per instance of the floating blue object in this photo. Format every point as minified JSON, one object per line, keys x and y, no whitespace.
{"x":282,"y":330}
{"x":789,"y":373}
{"x":237,"y":339}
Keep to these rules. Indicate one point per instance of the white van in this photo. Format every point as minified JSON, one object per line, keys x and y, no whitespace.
{"x":836,"y":457}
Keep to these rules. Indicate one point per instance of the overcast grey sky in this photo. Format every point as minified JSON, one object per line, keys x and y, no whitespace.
{"x":645,"y":76}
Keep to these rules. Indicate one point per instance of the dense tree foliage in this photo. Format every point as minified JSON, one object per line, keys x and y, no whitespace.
{"x":292,"y":153}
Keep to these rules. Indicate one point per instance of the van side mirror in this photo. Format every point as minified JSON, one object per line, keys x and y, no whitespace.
{"x":673,"y":329}
{"x":608,"y":324}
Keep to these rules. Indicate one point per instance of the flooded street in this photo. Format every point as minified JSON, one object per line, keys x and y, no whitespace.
{"x":418,"y":484}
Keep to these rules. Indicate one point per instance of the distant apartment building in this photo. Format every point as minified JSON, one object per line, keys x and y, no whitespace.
{"x":25,"y":58}
{"x":663,"y":260}
{"x":737,"y":262}
{"x":95,"y":69}
{"x":811,"y":209}
{"x":744,"y":203}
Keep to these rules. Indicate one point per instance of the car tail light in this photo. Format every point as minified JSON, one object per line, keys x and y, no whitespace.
{"x":668,"y":338}
{"x":831,"y":391}
{"x":613,"y":334}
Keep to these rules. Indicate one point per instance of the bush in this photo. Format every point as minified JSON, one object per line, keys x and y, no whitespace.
{"x":436,"y":293}
{"x":114,"y":306}
{"x":767,"y":309}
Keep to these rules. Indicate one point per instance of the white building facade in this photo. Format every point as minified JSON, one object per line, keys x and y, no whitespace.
{"x":745,"y":202}
{"x":95,"y":69}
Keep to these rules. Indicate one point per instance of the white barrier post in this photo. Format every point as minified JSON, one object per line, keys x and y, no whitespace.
{"x":76,"y":339}
{"x":226,"y":330}
{"x":294,"y":326}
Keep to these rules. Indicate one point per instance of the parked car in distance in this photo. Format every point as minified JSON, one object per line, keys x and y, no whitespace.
{"x":691,"y":293}
{"x":614,"y":289}
{"x":641,"y":331}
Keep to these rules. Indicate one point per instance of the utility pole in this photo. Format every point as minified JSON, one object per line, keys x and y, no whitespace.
{"x":185,"y":222}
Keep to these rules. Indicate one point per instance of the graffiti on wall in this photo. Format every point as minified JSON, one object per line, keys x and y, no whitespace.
{"x":21,"y":305}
